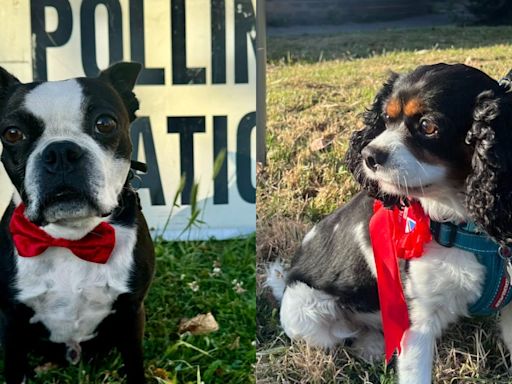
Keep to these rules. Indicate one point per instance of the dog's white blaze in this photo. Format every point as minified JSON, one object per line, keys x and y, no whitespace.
{"x":59,"y":105}
{"x":71,"y":296}
{"x":402,"y":166}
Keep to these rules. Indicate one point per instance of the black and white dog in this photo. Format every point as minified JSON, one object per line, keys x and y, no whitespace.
{"x":76,"y":256}
{"x":442,"y":135}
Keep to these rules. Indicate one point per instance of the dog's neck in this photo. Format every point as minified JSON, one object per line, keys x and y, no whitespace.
{"x":447,"y":206}
{"x":72,"y":230}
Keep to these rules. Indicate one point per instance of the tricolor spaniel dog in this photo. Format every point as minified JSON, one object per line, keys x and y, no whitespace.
{"x":442,"y":136}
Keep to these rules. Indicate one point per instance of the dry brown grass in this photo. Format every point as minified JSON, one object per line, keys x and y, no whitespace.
{"x":310,"y":99}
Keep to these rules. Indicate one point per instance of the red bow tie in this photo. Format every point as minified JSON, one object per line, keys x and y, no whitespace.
{"x":30,"y":240}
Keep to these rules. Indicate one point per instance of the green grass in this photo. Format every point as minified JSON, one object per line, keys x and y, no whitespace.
{"x":318,"y":86}
{"x":225,"y":356}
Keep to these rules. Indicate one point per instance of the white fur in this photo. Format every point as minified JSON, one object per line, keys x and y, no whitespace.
{"x":314,"y":316}
{"x":506,"y":329}
{"x":72,"y":230}
{"x":60,"y":106}
{"x":309,"y":235}
{"x":276,"y":279}
{"x":71,"y":296}
{"x":444,"y":204}
{"x":442,"y":283}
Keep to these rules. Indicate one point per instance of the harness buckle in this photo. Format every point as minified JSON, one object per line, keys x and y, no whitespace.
{"x":444,"y":233}
{"x":505,"y":252}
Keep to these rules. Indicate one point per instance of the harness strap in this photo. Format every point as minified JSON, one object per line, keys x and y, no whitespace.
{"x":496,"y":292}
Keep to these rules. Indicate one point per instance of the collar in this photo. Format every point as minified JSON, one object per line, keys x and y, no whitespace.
{"x":496,"y":290}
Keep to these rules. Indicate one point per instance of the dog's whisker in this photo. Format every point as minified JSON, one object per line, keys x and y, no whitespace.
{"x":421,"y":166}
{"x":421,"y":187}
{"x":406,"y":187}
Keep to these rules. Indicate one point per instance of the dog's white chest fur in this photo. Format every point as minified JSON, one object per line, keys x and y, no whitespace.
{"x":71,"y":296}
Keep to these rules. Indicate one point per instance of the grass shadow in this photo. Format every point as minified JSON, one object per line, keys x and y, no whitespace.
{"x":356,"y":45}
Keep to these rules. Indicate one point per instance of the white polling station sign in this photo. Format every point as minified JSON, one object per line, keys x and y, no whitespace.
{"x":197,"y":94}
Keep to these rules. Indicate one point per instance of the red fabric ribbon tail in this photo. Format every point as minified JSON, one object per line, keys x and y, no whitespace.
{"x":395,"y":317}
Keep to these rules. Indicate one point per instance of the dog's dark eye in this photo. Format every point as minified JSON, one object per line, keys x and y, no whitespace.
{"x":13,"y":135}
{"x":428,"y":128}
{"x":105,"y":124}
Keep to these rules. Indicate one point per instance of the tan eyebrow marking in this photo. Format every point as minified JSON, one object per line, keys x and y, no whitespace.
{"x":413,"y":107}
{"x":393,"y":108}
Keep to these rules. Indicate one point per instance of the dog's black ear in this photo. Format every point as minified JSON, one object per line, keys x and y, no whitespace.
{"x":6,"y":81}
{"x":374,"y":125}
{"x":122,"y":76}
{"x":489,"y":185}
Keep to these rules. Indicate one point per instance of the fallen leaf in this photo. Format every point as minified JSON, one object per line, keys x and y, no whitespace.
{"x":199,"y":325}
{"x":161,"y":373}
{"x":43,"y":368}
{"x":321,"y":143}
{"x":235,"y":344}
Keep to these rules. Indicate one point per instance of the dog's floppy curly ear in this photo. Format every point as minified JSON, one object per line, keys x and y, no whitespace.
{"x":374,"y":125}
{"x":489,"y":185}
{"x":122,"y":76}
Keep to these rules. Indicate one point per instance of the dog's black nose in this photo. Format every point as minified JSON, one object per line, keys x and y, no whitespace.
{"x":374,"y":157}
{"x":62,"y":156}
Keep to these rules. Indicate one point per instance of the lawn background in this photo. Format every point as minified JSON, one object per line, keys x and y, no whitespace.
{"x":186,"y":285}
{"x":317,"y":88}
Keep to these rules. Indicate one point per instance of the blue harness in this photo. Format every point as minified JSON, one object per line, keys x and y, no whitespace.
{"x":497,"y":290}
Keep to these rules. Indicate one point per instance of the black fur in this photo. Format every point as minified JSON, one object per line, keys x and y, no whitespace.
{"x":489,"y":186}
{"x":122,"y":77}
{"x":339,"y":267}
